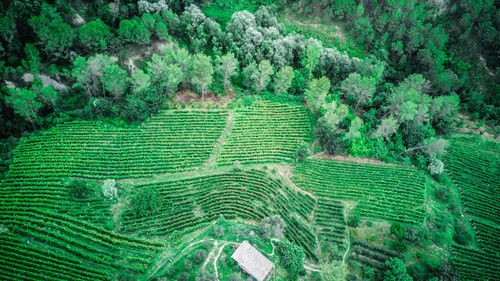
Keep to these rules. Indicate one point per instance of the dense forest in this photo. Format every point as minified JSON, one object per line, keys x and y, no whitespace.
{"x":419,"y":63}
{"x":390,"y":81}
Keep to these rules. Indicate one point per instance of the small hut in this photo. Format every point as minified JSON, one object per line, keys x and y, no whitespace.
{"x":252,"y":261}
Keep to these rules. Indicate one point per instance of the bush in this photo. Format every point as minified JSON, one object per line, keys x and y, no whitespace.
{"x":145,"y":202}
{"x":302,"y":152}
{"x":272,"y":226}
{"x":353,"y":221}
{"x":204,"y":275}
{"x":292,"y":257}
{"x":397,"y":230}
{"x":199,"y":256}
{"x":218,"y":231}
{"x":235,"y":277}
{"x":109,"y":189}
{"x":79,"y":189}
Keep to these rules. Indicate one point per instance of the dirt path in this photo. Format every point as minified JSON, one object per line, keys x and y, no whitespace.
{"x":218,"y":255}
{"x":211,"y":254}
{"x":323,"y":155}
{"x":311,"y":267}
{"x":167,"y":255}
{"x":285,"y":172}
{"x":212,"y":160}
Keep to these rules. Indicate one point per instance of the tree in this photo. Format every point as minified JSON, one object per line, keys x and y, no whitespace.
{"x":133,"y":31}
{"x":97,"y":65}
{"x":173,"y":76}
{"x":388,"y":126}
{"x":354,"y":129}
{"x":227,"y":67}
{"x":81,"y":73}
{"x":24,"y":103}
{"x":335,"y":112}
{"x":283,"y":79}
{"x":152,"y":8}
{"x":199,"y":256}
{"x":204,"y":275}
{"x":202,"y":72}
{"x":396,"y":271}
{"x":109,"y":189}
{"x":262,"y":76}
{"x":303,"y":151}
{"x":273,"y":226}
{"x":94,"y":35}
{"x":145,"y":202}
{"x":442,"y":111}
{"x":140,"y":82}
{"x":291,"y":256}
{"x":311,"y":59}
{"x":115,"y":79}
{"x":317,"y":91}
{"x":80,"y":189}
{"x":359,"y":88}
{"x":56,"y":36}
{"x":235,"y":277}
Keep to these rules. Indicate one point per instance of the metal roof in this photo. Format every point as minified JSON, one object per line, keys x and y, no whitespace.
{"x":252,"y":261}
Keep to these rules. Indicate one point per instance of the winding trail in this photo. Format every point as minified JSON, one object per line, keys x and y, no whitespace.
{"x":218,"y":255}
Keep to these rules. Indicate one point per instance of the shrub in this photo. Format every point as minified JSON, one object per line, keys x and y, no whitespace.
{"x":353,"y":221}
{"x":199,"y":256}
{"x":272,"y":226}
{"x":218,"y":231}
{"x":109,"y":189}
{"x":292,"y":257}
{"x":397,"y":230}
{"x":79,"y":189}
{"x":302,"y":152}
{"x":145,"y":202}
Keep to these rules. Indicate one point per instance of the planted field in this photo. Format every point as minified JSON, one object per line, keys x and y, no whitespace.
{"x":474,"y":166}
{"x":475,"y":265}
{"x":173,"y":141}
{"x":39,"y":244}
{"x":266,"y":132}
{"x":250,"y":194}
{"x":394,"y":193}
{"x":329,"y":219}
{"x":370,"y":255}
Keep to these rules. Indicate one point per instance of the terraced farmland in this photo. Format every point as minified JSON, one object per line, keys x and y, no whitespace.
{"x":332,"y":228}
{"x":474,"y":166}
{"x":38,"y":244}
{"x":173,"y":141}
{"x":394,"y":193}
{"x":246,"y":194}
{"x":266,"y":132}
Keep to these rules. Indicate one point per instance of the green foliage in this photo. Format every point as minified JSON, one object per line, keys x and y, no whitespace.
{"x":134,"y":31}
{"x":201,"y":73}
{"x":80,"y":189}
{"x":316,"y":93}
{"x":291,"y":257}
{"x":273,"y":226}
{"x":146,"y":202}
{"x":359,"y":89}
{"x":24,"y":103}
{"x":396,"y":271}
{"x":94,"y":35}
{"x":303,"y":151}
{"x":283,"y":80}
{"x":115,"y":79}
{"x":397,"y":230}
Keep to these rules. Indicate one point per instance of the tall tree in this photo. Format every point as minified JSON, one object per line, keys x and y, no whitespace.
{"x":388,"y":126}
{"x":81,"y":73}
{"x":94,"y":35}
{"x":311,"y":59}
{"x":359,"y":88}
{"x":227,"y":67}
{"x":140,"y":82}
{"x":24,"y":103}
{"x":115,"y":79}
{"x":335,"y":112}
{"x":202,"y":72}
{"x":316,"y":92}
{"x":263,"y":76}
{"x":283,"y":79}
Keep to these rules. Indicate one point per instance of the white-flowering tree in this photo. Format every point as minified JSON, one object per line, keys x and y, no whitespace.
{"x":109,"y":189}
